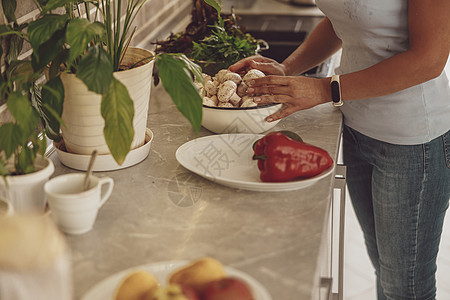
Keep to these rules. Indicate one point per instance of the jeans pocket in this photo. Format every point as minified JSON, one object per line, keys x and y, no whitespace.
{"x":446,"y":138}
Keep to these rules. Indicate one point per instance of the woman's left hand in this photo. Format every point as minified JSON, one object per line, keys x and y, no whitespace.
{"x":294,"y":92}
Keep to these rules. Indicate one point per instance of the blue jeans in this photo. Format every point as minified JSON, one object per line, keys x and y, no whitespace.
{"x":400,"y":195}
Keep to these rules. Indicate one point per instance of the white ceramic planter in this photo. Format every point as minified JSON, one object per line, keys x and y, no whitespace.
{"x":26,"y":192}
{"x":6,"y":208}
{"x":83,"y":130}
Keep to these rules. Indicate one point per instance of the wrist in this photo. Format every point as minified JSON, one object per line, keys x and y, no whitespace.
{"x":326,"y":90}
{"x":285,"y":68}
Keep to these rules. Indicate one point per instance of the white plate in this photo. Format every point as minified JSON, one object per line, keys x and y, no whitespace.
{"x":227,"y":159}
{"x":104,"y":162}
{"x":105,"y":289}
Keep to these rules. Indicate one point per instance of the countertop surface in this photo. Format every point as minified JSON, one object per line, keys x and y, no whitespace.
{"x":159,"y":211}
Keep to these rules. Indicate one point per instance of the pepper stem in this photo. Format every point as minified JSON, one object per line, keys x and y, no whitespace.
{"x":258,"y":157}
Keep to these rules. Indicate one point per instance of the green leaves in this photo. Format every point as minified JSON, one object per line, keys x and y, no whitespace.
{"x":9,"y":8}
{"x":48,"y":5}
{"x":51,"y":106}
{"x":96,"y":70}
{"x":223,"y":47}
{"x":44,"y":28}
{"x":176,"y":79}
{"x":70,"y":42}
{"x":10,"y":138}
{"x":217,"y":4}
{"x":14,"y":136}
{"x":47,"y":37}
{"x":24,"y":114}
{"x":80,"y":32}
{"x":118,"y":112}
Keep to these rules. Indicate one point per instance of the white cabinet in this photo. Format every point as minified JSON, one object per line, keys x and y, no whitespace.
{"x":331,"y":276}
{"x":331,"y":261}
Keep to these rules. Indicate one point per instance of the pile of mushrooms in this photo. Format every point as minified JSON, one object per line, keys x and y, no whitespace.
{"x":227,"y":89}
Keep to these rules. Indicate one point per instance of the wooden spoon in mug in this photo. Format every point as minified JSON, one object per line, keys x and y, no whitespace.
{"x":89,"y":170}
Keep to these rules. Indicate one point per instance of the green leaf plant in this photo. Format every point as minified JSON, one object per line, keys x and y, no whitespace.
{"x":66,"y":39}
{"x":21,"y":138}
{"x":223,"y":46}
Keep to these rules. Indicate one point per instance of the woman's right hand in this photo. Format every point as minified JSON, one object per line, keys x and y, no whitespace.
{"x":267,"y":65}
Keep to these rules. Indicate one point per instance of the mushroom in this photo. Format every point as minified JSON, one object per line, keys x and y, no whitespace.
{"x":242,"y":89}
{"x":225,"y":104}
{"x":208,"y":101}
{"x":206,"y":77}
{"x":211,"y":88}
{"x":235,"y":77}
{"x":214,"y":99}
{"x":252,"y":74}
{"x":235,"y":99}
{"x":221,"y":74}
{"x":248,"y":102}
{"x":226,"y":90}
{"x":200,"y":88}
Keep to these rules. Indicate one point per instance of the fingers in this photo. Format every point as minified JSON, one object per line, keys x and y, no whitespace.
{"x":269,"y":90}
{"x":270,"y":80}
{"x":267,"y":65}
{"x":268,"y":99}
{"x":283,"y":113}
{"x":244,"y":64}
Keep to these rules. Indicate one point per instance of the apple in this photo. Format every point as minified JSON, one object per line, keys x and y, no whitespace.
{"x":189,"y":293}
{"x":228,"y":288}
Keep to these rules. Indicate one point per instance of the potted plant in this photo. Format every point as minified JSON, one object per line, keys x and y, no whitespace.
{"x":212,"y":39}
{"x":91,"y":48}
{"x":22,"y":142}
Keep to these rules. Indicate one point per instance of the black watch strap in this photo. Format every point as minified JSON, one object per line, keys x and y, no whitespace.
{"x":336,"y":91}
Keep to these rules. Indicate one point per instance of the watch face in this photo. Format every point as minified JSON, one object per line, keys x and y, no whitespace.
{"x":335,"y":92}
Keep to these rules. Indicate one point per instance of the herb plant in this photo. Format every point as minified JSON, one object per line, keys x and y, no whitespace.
{"x":211,"y":38}
{"x":223,"y":47}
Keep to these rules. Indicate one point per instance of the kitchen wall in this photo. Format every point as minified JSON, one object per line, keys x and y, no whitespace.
{"x":156,"y":20}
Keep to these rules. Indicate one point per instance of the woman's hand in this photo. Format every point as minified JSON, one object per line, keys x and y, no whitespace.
{"x":294,"y":92}
{"x":267,"y":65}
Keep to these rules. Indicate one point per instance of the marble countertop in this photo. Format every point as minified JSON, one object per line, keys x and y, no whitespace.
{"x":160,"y":211}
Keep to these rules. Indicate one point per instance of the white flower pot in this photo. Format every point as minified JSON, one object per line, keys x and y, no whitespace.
{"x":83,"y":130}
{"x":6,"y":208}
{"x":26,"y":192}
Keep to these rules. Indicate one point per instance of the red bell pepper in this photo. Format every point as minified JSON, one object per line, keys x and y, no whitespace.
{"x":281,"y":158}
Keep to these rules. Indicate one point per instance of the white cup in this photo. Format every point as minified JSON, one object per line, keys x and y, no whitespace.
{"x":73,"y":209}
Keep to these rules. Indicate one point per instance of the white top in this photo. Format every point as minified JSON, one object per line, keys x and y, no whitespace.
{"x":371,"y":31}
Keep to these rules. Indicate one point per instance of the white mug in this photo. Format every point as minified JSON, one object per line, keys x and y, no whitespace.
{"x":73,"y":208}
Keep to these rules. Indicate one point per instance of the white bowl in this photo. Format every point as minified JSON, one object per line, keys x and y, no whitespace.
{"x":239,"y":120}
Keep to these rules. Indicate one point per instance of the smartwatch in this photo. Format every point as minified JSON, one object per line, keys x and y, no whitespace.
{"x":336,"y":91}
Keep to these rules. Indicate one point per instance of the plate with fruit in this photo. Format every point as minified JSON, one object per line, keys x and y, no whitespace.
{"x":201,"y":279}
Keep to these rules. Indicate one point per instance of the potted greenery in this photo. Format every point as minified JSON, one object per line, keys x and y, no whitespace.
{"x":22,"y":142}
{"x":212,"y":39}
{"x":91,"y":49}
